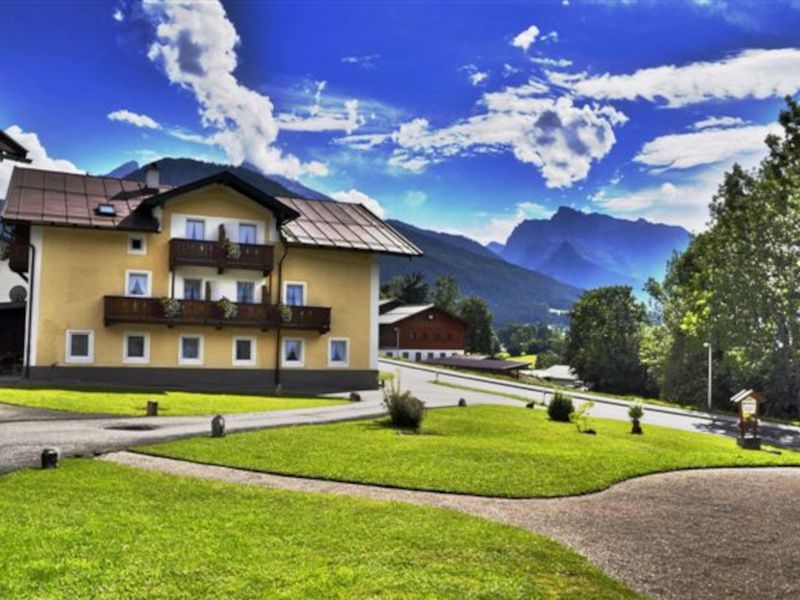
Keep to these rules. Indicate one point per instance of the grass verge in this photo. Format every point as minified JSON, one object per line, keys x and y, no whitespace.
{"x":93,"y":529}
{"x":132,"y":402}
{"x":486,"y":450}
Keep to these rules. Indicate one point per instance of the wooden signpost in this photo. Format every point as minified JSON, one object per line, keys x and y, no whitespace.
{"x":750,"y":407}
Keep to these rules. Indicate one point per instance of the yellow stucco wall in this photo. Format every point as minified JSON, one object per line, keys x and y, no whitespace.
{"x":81,"y":266}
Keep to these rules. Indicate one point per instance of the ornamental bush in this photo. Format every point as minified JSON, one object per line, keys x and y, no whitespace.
{"x":405,"y":410}
{"x":560,"y":408}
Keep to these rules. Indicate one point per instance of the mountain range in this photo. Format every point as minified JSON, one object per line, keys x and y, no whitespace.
{"x":539,"y":271}
{"x":590,"y":249}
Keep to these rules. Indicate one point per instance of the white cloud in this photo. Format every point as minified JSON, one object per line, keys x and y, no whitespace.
{"x":526,"y":38}
{"x":498,"y":228}
{"x":718,"y":122}
{"x":704,"y":147}
{"x":552,"y":36}
{"x":324,"y":118}
{"x":557,"y":136}
{"x":509,"y":70}
{"x":478,"y":77}
{"x":366,"y":61}
{"x":135,"y":119}
{"x":356,"y":197}
{"x":196,"y":45}
{"x":749,"y":74}
{"x":364,"y":141}
{"x":38,"y":155}
{"x":551,"y":62}
{"x":118,"y":16}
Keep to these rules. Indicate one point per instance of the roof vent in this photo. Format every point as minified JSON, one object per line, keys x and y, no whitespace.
{"x":152,"y":176}
{"x":106,"y":210}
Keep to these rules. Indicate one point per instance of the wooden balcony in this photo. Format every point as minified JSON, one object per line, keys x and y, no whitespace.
{"x":124,"y":309}
{"x":201,"y":253}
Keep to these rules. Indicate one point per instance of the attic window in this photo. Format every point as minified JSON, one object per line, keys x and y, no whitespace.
{"x":106,"y":210}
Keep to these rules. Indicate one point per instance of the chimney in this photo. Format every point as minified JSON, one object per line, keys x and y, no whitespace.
{"x":152,"y":176}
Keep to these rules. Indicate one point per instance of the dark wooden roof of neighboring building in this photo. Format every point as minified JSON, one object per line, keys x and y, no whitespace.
{"x":478,"y":364}
{"x":11,"y":149}
{"x":401,"y":312}
{"x":70,"y":199}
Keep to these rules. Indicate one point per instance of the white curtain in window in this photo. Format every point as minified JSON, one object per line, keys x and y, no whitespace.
{"x":294,"y":295}
{"x":247,"y":234}
{"x":137,"y":284}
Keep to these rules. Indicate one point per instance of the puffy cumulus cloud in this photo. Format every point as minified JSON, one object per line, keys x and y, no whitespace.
{"x":718,"y":122}
{"x":196,"y":46}
{"x":118,"y":16}
{"x":704,"y":147}
{"x":556,"y":136}
{"x":756,"y":74}
{"x":135,"y":119}
{"x":475,"y":75}
{"x":524,"y":39}
{"x":356,"y":197}
{"x":36,"y":153}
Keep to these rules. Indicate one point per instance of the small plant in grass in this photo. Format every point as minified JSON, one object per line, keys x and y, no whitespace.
{"x":560,"y":408}
{"x":172,"y":307}
{"x":405,"y":410}
{"x":580,"y":417}
{"x":636,"y":412}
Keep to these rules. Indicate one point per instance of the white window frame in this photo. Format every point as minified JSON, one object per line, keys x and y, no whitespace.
{"x":339,"y":364}
{"x":303,"y":284}
{"x":239,"y":231}
{"x":68,"y":357}
{"x":197,"y":220}
{"x":191,"y":361}
{"x":142,"y":239}
{"x":297,"y":364}
{"x":133,"y":360}
{"x":149,"y":288}
{"x":244,"y":363}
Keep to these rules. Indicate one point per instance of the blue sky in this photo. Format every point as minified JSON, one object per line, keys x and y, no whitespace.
{"x":457,"y":116}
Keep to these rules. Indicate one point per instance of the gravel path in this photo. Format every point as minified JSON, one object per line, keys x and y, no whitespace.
{"x":715,"y":533}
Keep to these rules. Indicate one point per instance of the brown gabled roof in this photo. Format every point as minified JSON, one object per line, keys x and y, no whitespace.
{"x":11,"y":149}
{"x":344,"y":226}
{"x":54,"y":198}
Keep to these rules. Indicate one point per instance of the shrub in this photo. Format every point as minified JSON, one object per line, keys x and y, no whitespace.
{"x":636,"y":412}
{"x":580,"y":417}
{"x":560,"y":408}
{"x":405,"y":410}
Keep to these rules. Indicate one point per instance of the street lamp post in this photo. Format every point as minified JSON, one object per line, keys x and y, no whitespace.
{"x":708,"y":346}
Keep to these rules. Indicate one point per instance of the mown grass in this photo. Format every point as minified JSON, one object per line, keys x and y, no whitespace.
{"x":93,"y":529}
{"x":134,"y":402}
{"x":486,"y":450}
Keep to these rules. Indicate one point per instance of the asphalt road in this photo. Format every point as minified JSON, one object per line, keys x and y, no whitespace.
{"x":24,"y":433}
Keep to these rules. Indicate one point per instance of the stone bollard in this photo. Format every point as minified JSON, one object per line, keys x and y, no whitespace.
{"x":152,"y":408}
{"x":50,"y":458}
{"x":355,"y":397}
{"x":218,"y":426}
{"x":462,"y":402}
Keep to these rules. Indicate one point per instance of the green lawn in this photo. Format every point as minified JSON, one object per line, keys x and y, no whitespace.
{"x":135,"y":402}
{"x":93,"y":529}
{"x":488,"y":450}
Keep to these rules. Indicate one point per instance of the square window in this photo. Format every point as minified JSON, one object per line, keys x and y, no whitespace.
{"x":338,"y":353}
{"x":191,"y":350}
{"x":244,"y":351}
{"x":192,"y":289}
{"x":247,"y":233}
{"x":136,"y":348}
{"x":137,"y":245}
{"x":195,"y":229}
{"x":80,"y":346}
{"x":138,"y":284}
{"x":245,"y":292}
{"x":295,"y":294}
{"x":293,"y":352}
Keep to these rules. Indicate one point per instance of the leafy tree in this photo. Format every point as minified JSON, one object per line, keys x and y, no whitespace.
{"x":446,"y":293}
{"x":480,"y":336}
{"x":408,"y":289}
{"x":603,"y":343}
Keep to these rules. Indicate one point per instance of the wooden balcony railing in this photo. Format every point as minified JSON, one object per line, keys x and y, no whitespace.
{"x":201,"y":253}
{"x":124,"y":309}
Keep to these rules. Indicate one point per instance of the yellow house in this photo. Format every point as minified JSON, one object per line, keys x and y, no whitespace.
{"x":210,"y":285}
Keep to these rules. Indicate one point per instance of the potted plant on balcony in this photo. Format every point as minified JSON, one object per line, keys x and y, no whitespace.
{"x":233,"y":251}
{"x":228,"y":308}
{"x":286,"y":313}
{"x":172,"y":307}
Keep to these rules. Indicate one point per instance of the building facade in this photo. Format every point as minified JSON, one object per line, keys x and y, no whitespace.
{"x":211,"y":285}
{"x":419,"y":332}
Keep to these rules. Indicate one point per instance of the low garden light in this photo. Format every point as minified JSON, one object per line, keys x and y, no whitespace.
{"x":50,"y":458}
{"x":218,"y":426}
